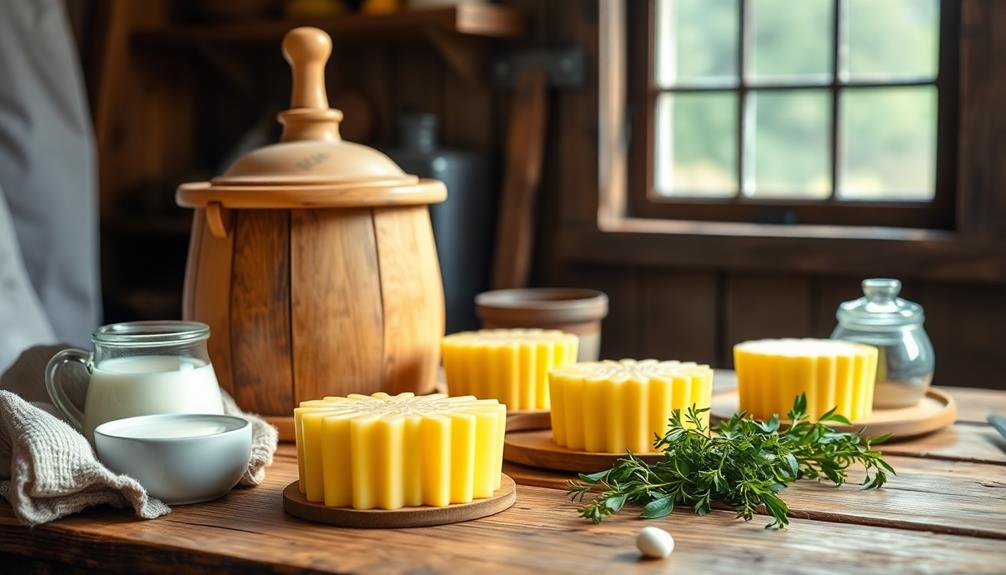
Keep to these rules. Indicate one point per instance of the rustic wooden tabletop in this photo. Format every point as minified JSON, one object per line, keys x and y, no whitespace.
{"x":945,"y":512}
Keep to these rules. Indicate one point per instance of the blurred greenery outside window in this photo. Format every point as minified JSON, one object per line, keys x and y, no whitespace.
{"x":802,"y":101}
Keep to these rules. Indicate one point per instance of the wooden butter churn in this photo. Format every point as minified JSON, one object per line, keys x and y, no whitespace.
{"x":313,"y":261}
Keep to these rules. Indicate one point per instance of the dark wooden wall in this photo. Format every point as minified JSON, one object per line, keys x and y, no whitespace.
{"x":169,"y":111}
{"x":699,"y":314}
{"x":416,"y":78}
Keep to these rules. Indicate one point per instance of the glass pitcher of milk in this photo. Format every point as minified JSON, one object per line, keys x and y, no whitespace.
{"x":139,"y":368}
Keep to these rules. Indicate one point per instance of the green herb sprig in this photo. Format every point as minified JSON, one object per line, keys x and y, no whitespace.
{"x":744,"y":465}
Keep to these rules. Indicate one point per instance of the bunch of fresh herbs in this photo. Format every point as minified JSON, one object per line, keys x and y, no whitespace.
{"x":745,"y":464}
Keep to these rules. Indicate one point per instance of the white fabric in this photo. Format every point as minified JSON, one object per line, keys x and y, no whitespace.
{"x":54,"y":472}
{"x":47,"y":166}
{"x":48,"y":470}
{"x":21,"y":315}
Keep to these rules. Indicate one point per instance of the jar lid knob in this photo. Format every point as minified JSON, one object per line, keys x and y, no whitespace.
{"x":880,"y":290}
{"x":307,"y":49}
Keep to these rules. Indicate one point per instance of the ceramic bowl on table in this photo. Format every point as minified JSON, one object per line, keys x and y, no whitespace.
{"x":572,"y":310}
{"x":178,"y":458}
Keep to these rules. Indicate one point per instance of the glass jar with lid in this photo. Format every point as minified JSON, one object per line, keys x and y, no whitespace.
{"x":894,"y":326}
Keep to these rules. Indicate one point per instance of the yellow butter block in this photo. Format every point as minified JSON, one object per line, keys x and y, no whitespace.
{"x":510,"y":365}
{"x":391,"y":451}
{"x":614,"y":406}
{"x":832,"y":373}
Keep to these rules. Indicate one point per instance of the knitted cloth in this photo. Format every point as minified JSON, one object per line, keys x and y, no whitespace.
{"x":48,"y":470}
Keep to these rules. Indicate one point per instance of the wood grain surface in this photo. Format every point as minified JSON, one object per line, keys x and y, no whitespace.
{"x":260,"y":311}
{"x":334,"y":270}
{"x":248,"y":530}
{"x":935,"y":516}
{"x":930,"y":495}
{"x":412,"y":298}
{"x":975,"y":405}
{"x":684,"y":296}
{"x":746,"y":318}
{"x":978,"y":443}
{"x":207,"y":294}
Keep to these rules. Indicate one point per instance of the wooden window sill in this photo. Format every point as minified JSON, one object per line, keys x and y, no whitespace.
{"x":839,"y":250}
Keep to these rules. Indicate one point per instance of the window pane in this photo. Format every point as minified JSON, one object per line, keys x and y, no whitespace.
{"x":888,"y":149}
{"x":696,"y":42}
{"x":695,"y":152}
{"x":790,"y":40}
{"x":787,"y":144}
{"x":890,"y":39}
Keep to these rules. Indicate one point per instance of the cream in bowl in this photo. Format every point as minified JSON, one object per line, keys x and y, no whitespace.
{"x":178,"y":458}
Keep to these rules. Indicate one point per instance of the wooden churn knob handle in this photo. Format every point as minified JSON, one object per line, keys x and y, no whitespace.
{"x":307,"y":49}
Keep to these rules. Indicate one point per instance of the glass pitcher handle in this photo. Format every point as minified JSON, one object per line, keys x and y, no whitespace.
{"x":56,"y":392}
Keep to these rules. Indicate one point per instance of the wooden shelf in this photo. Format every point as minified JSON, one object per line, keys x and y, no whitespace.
{"x":473,"y":20}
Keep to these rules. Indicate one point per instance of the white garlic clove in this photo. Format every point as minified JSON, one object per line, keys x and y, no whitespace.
{"x":654,"y":542}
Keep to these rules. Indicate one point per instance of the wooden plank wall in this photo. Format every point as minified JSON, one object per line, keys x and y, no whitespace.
{"x":415,"y":78}
{"x":700,"y":314}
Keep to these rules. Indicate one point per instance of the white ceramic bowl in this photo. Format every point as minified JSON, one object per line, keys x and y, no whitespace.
{"x":178,"y":458}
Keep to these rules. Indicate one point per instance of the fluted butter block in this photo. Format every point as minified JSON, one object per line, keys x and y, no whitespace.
{"x":510,"y":365}
{"x":772,"y":372}
{"x":612,"y":406}
{"x":391,"y":451}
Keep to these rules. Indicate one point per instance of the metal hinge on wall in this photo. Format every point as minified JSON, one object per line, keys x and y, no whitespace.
{"x":563,"y":67}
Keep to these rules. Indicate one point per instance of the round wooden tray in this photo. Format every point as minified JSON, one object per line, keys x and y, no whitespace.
{"x":536,"y":449}
{"x":297,"y":505}
{"x":935,"y":411}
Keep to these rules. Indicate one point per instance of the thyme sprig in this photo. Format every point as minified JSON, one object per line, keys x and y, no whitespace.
{"x":744,"y":465}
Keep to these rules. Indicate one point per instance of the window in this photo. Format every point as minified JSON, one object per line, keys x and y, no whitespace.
{"x":794,"y":111}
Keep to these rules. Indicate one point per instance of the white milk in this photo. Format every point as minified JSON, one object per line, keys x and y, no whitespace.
{"x":145,"y":385}
{"x":174,"y":429}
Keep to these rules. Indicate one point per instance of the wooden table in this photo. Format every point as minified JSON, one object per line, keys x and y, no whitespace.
{"x":945,"y":512}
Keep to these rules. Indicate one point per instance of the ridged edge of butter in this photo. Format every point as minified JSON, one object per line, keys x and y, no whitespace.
{"x":803,"y":347}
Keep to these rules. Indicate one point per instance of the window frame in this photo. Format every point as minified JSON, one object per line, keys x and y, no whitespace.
{"x":590,"y":223}
{"x":642,"y":92}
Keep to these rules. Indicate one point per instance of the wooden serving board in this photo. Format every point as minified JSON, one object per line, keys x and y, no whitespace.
{"x":936,"y":410}
{"x":297,"y":505}
{"x":536,"y":449}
